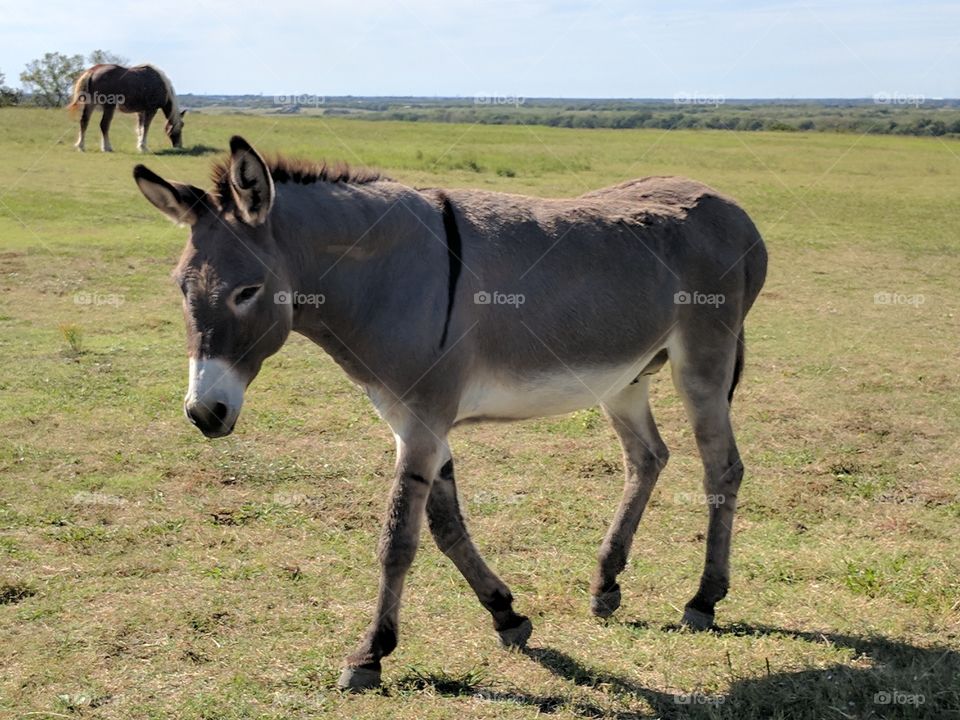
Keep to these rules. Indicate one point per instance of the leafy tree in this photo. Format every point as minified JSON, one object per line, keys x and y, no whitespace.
{"x":8,"y":96}
{"x":105,"y":57}
{"x":49,"y":79}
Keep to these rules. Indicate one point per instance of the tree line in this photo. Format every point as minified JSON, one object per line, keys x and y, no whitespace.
{"x":48,"y":80}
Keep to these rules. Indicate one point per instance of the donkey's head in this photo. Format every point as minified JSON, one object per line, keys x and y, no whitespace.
{"x":174,"y":128}
{"x":233,"y":281}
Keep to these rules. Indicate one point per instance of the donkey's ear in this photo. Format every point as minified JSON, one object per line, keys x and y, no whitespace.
{"x":182,"y":113}
{"x":250,"y":182}
{"x":177,"y":201}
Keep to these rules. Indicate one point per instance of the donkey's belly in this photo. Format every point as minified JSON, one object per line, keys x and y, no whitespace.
{"x":503,"y":397}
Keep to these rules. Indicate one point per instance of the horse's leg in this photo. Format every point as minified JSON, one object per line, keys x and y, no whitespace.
{"x":419,"y":455}
{"x":108,"y":111}
{"x":644,"y":456}
{"x":84,"y":121}
{"x":703,"y":379}
{"x":451,"y":535}
{"x":140,"y":131}
{"x":145,"y":119}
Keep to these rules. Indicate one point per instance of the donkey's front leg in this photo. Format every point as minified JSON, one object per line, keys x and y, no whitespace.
{"x":450,"y":533}
{"x":418,"y":462}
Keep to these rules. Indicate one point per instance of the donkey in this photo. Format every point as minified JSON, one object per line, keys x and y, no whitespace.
{"x":142,"y":89}
{"x":456,"y":306}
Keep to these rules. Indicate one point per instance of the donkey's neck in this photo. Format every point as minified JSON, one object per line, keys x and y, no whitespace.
{"x":358,"y":257}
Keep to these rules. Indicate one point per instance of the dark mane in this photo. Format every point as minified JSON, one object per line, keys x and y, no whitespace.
{"x":296,"y":170}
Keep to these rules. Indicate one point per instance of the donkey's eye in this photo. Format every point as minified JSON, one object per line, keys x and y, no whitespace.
{"x":246,"y":294}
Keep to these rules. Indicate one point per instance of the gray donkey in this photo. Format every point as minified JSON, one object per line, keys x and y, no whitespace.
{"x":456,"y":306}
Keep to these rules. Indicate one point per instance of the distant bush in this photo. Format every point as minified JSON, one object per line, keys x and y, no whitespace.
{"x":779,"y":126}
{"x":8,"y":96}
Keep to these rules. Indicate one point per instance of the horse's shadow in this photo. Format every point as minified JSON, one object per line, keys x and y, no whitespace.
{"x":890,"y":680}
{"x":191,"y":151}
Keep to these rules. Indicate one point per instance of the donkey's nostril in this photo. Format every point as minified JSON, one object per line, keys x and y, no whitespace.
{"x":220,"y":411}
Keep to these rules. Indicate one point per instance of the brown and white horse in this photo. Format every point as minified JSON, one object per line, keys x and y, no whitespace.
{"x":142,"y":89}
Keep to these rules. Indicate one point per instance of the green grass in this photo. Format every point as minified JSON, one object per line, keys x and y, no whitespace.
{"x":148,"y":573}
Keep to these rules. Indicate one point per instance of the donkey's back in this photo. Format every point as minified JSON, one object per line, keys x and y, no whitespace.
{"x":591,"y":288}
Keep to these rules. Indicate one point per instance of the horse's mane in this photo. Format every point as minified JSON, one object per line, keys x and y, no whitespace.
{"x":171,"y":95}
{"x":299,"y":171}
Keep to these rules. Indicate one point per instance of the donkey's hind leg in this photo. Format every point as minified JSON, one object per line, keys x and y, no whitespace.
{"x":704,"y":381}
{"x":644,"y":456}
{"x":108,"y":111}
{"x":450,"y":533}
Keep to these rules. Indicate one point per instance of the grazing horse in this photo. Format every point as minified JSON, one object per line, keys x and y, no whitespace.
{"x":457,"y":306}
{"x":142,"y":89}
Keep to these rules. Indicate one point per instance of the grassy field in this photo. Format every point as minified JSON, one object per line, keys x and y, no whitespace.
{"x":146,"y":572}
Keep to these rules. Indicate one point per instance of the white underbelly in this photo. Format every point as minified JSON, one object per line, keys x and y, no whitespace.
{"x":511,"y":398}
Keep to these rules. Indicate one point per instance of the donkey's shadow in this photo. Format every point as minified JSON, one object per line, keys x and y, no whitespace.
{"x":897,"y":681}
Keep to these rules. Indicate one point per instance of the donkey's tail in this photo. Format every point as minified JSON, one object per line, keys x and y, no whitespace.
{"x":754,"y":275}
{"x":738,"y":364}
{"x":81,"y":91}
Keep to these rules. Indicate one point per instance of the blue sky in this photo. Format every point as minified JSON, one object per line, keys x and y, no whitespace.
{"x":604,"y":48}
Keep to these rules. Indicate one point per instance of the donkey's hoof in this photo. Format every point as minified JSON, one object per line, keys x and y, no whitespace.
{"x":604,"y":604}
{"x":516,"y":637}
{"x":356,"y":679}
{"x":697,"y":619}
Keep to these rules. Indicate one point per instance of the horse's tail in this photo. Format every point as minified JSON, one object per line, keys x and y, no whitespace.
{"x":81,"y":91}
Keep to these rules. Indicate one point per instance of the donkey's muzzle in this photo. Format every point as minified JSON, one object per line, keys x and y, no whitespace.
{"x":215,"y":396}
{"x":214,"y":422}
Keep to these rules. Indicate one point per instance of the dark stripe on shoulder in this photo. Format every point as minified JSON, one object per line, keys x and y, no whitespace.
{"x":454,"y":250}
{"x":417,"y":478}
